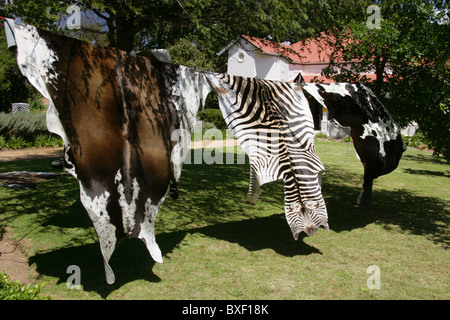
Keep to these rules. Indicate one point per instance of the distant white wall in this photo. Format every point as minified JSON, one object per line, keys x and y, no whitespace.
{"x":241,"y":61}
{"x":313,"y":69}
{"x":283,"y":70}
{"x":294,"y":70}
{"x":410,"y":130}
{"x":266,"y":66}
{"x":247,"y":61}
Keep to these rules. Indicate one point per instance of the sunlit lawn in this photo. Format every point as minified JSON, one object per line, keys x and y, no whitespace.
{"x":215,"y":246}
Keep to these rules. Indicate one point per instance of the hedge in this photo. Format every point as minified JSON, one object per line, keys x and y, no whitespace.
{"x":25,"y":130}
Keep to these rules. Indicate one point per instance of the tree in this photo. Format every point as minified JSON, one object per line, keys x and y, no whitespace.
{"x":410,"y":55}
{"x":409,"y":52}
{"x":187,"y":53}
{"x":142,"y":24}
{"x":193,"y":31}
{"x":13,"y":85}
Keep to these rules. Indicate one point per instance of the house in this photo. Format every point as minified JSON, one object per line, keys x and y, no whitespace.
{"x":254,"y":57}
{"x":264,"y":59}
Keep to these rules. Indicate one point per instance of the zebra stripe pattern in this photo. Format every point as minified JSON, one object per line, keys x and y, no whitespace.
{"x":273,"y":124}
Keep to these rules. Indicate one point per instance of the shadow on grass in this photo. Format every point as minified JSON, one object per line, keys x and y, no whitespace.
{"x":214,"y":196}
{"x":131,"y":260}
{"x":424,"y":158}
{"x":29,"y":165}
{"x":427,"y":172}
{"x":413,"y":213}
{"x":37,"y":205}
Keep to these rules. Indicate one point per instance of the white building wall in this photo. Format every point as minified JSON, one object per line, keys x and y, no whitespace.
{"x":284,"y":72}
{"x":313,"y":69}
{"x":294,"y":70}
{"x":241,"y":61}
{"x":267,"y":66}
{"x":247,"y":61}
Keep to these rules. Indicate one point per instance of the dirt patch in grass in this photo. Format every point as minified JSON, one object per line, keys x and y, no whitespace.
{"x":30,"y":154}
{"x":13,"y":262}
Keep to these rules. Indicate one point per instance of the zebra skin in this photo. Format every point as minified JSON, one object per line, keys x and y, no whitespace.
{"x":273,"y":124}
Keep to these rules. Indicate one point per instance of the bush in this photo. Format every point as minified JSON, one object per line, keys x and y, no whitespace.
{"x":25,"y":130}
{"x":13,"y":290}
{"x":22,"y":124}
{"x":415,"y":141}
{"x":213,"y":116}
{"x":17,"y":143}
{"x":321,"y":135}
{"x":47,"y":140}
{"x":14,"y":87}
{"x":36,"y":104}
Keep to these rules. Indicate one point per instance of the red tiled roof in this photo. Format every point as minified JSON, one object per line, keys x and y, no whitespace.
{"x":309,"y":51}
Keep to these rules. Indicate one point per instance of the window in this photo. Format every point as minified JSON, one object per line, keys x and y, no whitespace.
{"x":241,"y":55}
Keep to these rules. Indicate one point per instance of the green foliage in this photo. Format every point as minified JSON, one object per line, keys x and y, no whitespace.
{"x":321,"y":135}
{"x":42,"y":140}
{"x":412,"y":44}
{"x":414,"y":141}
{"x":13,"y":290}
{"x":25,"y":130}
{"x":13,"y":86}
{"x":23,"y":124}
{"x":209,"y":24}
{"x":43,"y":14}
{"x":211,"y":102}
{"x":17,"y":143}
{"x":36,"y":104}
{"x":214,"y":116}
{"x":187,"y":53}
{"x":47,"y":140}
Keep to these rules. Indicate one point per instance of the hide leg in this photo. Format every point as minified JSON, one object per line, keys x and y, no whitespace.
{"x":109,"y":274}
{"x":96,"y":207}
{"x":365,"y":196}
{"x":147,"y":230}
{"x":293,"y":217}
{"x":254,"y":189}
{"x":107,"y":247}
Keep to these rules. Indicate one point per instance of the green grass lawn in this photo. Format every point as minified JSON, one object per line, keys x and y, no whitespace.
{"x":215,"y":246}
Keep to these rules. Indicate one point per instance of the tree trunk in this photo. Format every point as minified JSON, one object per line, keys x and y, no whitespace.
{"x":111,"y":34}
{"x":125,"y":35}
{"x":121,"y":31}
{"x":380,"y":64}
